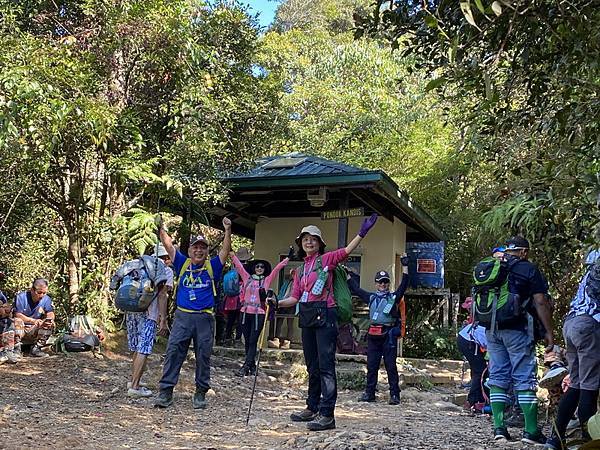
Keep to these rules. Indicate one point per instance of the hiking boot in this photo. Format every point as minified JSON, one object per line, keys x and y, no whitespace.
{"x":12,"y":357}
{"x":366,"y":398}
{"x":553,"y":377}
{"x":242,"y":371}
{"x":38,"y":353}
{"x":553,"y":443}
{"x":164,"y":399}
{"x":3,"y":357}
{"x":321,"y":423}
{"x":536,"y":438}
{"x":477,"y":408}
{"x":199,"y":400}
{"x":285,"y":345}
{"x":141,"y":392}
{"x":501,"y":434}
{"x":394,"y":399}
{"x":305,"y":415}
{"x":273,"y":343}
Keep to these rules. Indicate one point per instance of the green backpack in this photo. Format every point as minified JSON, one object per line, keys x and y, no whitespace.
{"x":341,"y":291}
{"x":493,"y":304}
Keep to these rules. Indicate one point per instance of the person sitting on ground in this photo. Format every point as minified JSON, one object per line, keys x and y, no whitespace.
{"x":581,"y":331}
{"x":194,"y":318}
{"x":255,"y":287}
{"x":7,"y":332}
{"x":141,"y":326}
{"x":472,"y":343}
{"x":384,"y":329}
{"x":34,"y":318}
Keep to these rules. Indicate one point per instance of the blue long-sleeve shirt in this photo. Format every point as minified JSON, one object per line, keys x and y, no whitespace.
{"x":365,"y":296}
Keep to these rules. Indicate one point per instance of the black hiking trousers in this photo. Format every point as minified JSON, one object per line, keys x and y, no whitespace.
{"x":319,"y":345}
{"x":477,"y":364}
{"x":251,"y":328}
{"x":379,"y":347}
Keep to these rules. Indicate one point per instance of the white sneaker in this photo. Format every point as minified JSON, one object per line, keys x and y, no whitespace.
{"x":138,"y":393}
{"x":3,"y":357}
{"x":274,"y":343}
{"x":142,"y":384}
{"x":553,"y":377}
{"x":285,"y":345}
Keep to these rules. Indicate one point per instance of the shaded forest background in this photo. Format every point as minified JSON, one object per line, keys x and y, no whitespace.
{"x":487,"y":113}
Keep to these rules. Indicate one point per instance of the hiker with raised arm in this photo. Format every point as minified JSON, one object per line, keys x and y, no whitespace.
{"x":194,"y":317}
{"x":384,"y":329}
{"x":256,"y":281}
{"x":313,"y":289}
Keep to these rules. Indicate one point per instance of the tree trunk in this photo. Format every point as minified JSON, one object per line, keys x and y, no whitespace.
{"x":73,"y":261}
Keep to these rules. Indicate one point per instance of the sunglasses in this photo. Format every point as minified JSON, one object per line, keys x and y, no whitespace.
{"x":259,"y":266}
{"x":40,"y":292}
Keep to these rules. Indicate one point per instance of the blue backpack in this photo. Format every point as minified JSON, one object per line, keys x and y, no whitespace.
{"x":134,"y":284}
{"x":231,"y":283}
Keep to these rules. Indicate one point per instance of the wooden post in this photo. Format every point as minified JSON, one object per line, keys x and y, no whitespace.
{"x":455,"y":306}
{"x":446,"y":310}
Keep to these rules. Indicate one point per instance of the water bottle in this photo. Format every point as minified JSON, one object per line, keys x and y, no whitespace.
{"x":317,"y":288}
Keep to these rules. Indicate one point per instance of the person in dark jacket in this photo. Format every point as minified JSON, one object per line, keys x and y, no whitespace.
{"x":384,"y":329}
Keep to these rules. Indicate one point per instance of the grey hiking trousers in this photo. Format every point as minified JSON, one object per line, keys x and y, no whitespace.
{"x":187,"y":327}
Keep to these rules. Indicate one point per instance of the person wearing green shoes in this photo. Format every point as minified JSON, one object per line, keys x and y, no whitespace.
{"x":511,"y":345}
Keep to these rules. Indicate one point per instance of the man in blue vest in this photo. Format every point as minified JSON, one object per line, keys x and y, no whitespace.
{"x":194,"y":317}
{"x":383,"y":330}
{"x":34,"y":317}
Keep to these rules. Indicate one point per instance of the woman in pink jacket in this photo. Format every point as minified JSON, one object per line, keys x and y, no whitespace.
{"x":254,"y":288}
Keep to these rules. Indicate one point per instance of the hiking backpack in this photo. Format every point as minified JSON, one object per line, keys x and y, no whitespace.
{"x":82,"y":336}
{"x":341,"y":291}
{"x":134,"y":283}
{"x":493,"y":303}
{"x":231,"y":283}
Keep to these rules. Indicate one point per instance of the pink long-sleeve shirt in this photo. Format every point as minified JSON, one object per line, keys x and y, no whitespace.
{"x":305,"y":279}
{"x":250,"y":287}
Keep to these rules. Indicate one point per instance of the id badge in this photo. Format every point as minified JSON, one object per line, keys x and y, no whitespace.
{"x":375,"y":316}
{"x":388,"y":308}
{"x":304,"y":297}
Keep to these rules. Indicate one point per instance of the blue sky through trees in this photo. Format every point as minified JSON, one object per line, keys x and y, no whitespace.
{"x":265,"y":8}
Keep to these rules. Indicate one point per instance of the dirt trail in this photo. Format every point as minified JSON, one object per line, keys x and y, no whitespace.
{"x":78,"y":401}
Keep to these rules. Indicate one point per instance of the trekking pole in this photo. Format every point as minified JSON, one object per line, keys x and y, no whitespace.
{"x":260,"y":346}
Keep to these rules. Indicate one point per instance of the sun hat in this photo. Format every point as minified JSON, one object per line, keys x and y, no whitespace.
{"x":313,"y":231}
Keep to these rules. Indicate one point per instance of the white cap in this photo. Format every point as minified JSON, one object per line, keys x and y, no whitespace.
{"x":160,"y":250}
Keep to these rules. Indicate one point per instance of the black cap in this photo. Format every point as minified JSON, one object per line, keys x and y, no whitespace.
{"x":382,"y":275}
{"x":517,"y":243}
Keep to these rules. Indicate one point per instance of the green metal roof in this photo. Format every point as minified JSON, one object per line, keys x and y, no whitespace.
{"x":277,"y":187}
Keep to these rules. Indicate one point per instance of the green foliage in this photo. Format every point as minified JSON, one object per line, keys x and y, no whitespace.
{"x":522,"y":78}
{"x":109,"y":110}
{"x":431,"y":342}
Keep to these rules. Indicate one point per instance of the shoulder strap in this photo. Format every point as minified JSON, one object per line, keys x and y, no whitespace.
{"x":184,"y":267}
{"x":209,"y":269}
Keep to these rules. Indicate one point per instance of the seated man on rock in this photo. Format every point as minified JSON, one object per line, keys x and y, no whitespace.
{"x":34,"y":317}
